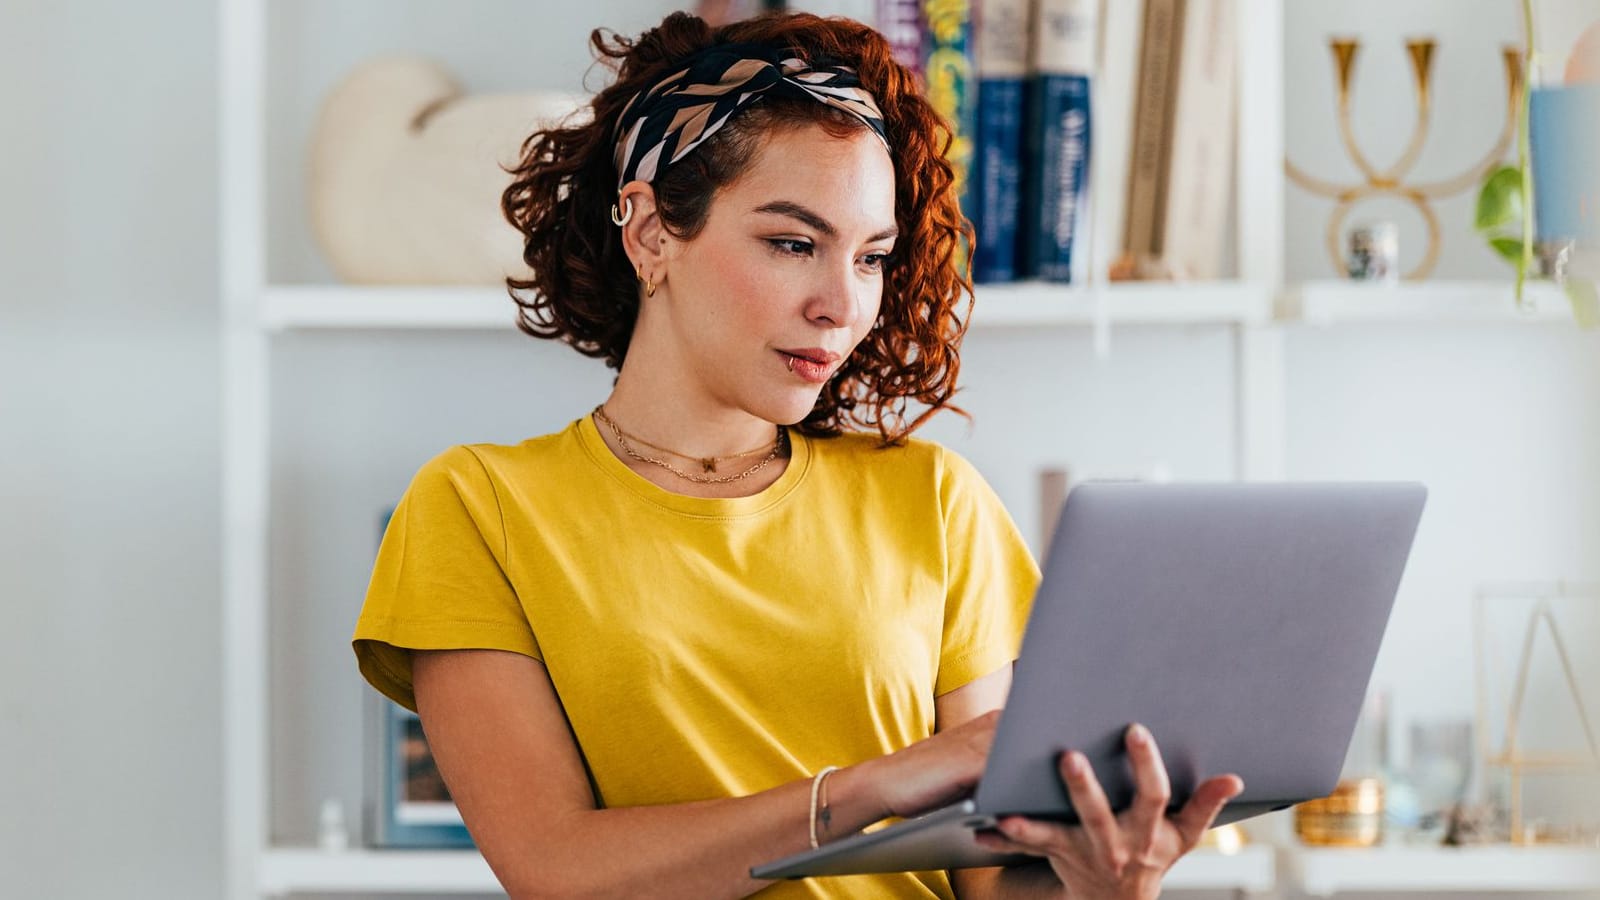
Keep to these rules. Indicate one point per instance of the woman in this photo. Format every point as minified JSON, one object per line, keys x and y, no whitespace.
{"x":709,"y":624}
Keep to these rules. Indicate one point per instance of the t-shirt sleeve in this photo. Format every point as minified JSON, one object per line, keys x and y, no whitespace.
{"x":440,"y":581}
{"x":990,"y":576}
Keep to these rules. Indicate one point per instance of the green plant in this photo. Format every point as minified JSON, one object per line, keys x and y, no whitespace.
{"x":1505,"y":204}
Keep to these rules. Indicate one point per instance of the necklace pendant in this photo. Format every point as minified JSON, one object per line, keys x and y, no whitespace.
{"x":710,"y":464}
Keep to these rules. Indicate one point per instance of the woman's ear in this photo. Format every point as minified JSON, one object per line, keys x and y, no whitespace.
{"x":644,"y":238}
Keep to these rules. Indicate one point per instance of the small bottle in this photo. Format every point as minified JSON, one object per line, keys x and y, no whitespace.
{"x":1374,"y":253}
{"x":332,"y":836}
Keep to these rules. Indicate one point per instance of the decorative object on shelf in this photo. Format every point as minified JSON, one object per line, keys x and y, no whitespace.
{"x":1352,"y":816}
{"x":1393,"y":181}
{"x":408,"y":805}
{"x":1474,"y":824}
{"x":1509,"y":750}
{"x":332,"y":834}
{"x":1437,"y":775}
{"x":1546,"y":208}
{"x":406,"y":171}
{"x":1053,"y":486}
{"x":1374,"y":252}
{"x":1225,"y":839}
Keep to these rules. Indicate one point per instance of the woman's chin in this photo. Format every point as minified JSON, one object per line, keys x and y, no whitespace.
{"x":790,"y":409}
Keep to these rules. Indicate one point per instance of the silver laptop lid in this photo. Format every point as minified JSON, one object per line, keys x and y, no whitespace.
{"x":1240,"y":622}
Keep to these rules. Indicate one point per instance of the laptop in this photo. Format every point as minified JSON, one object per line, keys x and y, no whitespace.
{"x":1239,"y":622}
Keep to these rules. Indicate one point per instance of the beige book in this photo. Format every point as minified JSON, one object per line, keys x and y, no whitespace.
{"x":1199,"y":172}
{"x":1181,"y":166}
{"x":1151,"y":122}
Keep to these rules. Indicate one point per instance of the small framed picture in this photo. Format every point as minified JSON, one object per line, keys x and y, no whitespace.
{"x":409,"y":806}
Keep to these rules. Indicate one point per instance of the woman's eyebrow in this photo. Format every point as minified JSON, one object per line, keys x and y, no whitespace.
{"x":796,"y":211}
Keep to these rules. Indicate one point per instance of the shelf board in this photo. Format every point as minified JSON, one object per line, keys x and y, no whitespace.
{"x":1252,"y":869}
{"x":1029,"y":304}
{"x":296,"y":307}
{"x":1020,"y":305}
{"x":305,"y":870}
{"x":1325,"y":303}
{"x":1323,"y":872}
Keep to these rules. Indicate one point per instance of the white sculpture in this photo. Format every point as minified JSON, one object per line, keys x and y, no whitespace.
{"x":406,"y":174}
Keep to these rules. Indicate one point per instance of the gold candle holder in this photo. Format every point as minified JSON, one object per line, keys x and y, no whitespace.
{"x":1351,"y":816}
{"x":1392,"y":181}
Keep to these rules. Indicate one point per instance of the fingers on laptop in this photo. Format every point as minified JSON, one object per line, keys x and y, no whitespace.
{"x":1152,"y":791}
{"x":1202,"y":808}
{"x":1099,"y":823}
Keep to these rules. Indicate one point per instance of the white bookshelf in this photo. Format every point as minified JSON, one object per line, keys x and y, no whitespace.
{"x":1323,"y":872}
{"x":1253,"y":310}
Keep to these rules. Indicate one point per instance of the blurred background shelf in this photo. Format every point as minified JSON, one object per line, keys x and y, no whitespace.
{"x":1020,"y":305}
{"x":1334,"y":302}
{"x":1323,"y":872}
{"x":307,"y":870}
{"x":286,"y":871}
{"x":1251,"y":869}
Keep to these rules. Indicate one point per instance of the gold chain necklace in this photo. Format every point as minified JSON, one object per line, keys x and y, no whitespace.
{"x":708,"y":462}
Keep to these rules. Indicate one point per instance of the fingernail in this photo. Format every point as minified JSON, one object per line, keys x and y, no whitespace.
{"x":1076,"y":764}
{"x":1137,"y":734}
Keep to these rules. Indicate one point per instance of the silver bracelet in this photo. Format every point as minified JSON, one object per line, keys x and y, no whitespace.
{"x":816,"y":788}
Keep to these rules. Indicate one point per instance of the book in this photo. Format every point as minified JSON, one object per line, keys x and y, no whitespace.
{"x":901,"y":23}
{"x":1182,"y":149}
{"x":1058,"y":139}
{"x":1002,"y":40}
{"x":951,"y":83}
{"x":1193,"y":228}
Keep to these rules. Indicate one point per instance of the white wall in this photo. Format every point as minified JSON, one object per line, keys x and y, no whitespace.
{"x":109,"y":726}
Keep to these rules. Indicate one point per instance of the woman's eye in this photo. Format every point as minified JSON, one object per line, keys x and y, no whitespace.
{"x":875,"y":261}
{"x":790,"y":247}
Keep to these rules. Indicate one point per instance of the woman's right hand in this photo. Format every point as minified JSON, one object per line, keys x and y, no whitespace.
{"x":931,"y":773}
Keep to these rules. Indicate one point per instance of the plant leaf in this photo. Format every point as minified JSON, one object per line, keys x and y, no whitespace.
{"x":1500,"y":200}
{"x":1585,"y":297}
{"x":1509,"y":248}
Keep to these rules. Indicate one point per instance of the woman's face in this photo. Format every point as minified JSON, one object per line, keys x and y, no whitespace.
{"x":786,"y":276}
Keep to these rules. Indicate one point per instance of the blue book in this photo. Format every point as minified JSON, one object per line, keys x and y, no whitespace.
{"x":997,"y":166}
{"x":1056,"y":152}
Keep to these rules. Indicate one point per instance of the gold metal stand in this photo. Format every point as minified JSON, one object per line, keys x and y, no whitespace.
{"x":1517,"y":762}
{"x":1391,"y":181}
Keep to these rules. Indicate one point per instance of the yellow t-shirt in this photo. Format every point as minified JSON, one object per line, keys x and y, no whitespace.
{"x":707,"y":648}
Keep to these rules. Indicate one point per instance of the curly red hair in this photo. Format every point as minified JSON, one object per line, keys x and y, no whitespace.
{"x":582,"y":288}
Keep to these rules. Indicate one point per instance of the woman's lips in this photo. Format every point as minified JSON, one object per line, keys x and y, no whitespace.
{"x":812,"y":366}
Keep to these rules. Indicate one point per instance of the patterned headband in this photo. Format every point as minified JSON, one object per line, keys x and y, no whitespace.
{"x":659,"y":126}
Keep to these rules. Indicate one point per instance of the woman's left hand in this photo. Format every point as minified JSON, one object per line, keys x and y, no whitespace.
{"x":1110,"y":854}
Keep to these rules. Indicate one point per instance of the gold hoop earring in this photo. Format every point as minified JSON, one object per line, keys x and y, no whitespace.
{"x":649,"y":285}
{"x":624,"y":218}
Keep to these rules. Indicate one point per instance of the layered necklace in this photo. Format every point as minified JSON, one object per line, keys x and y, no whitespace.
{"x":707,"y":463}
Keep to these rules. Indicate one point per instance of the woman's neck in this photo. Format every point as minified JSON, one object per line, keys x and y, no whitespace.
{"x":709,"y":453}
